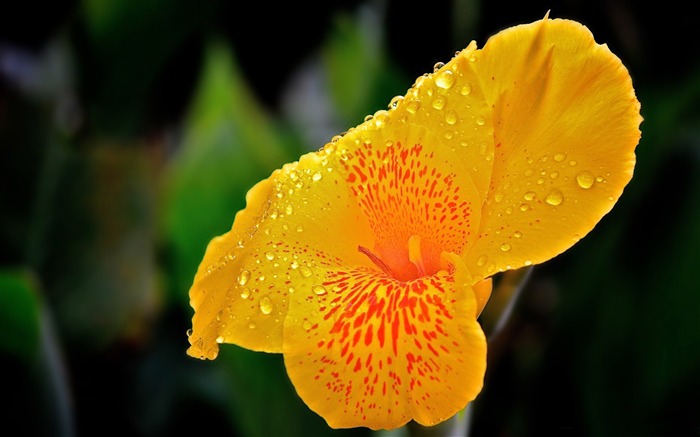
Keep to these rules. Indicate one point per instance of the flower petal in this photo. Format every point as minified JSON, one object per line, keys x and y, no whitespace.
{"x":247,"y":277}
{"x":368,"y":350}
{"x":566,"y":123}
{"x":414,"y":194}
{"x":451,"y":105}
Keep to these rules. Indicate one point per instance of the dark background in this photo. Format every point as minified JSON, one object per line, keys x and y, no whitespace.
{"x":131,"y":130}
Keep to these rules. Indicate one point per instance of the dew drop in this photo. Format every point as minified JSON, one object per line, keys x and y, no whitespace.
{"x":273,"y":214}
{"x":554,"y":198}
{"x":219,"y":339}
{"x":265,"y":305}
{"x":270,"y":255}
{"x":451,"y":117}
{"x":300,"y":228}
{"x":585,"y":180}
{"x":412,"y":106}
{"x":524,"y":207}
{"x":305,"y":271}
{"x":245,"y":293}
{"x":445,"y":79}
{"x":480,"y":120}
{"x":319,"y":290}
{"x":528,"y":262}
{"x":243,"y":277}
{"x":395,"y":102}
{"x":505,"y":247}
{"x":559,"y":157}
{"x":466,"y":90}
{"x":292,"y":290}
{"x":306,"y":325}
{"x":439,"y":102}
{"x":294,"y":265}
{"x":317,"y":176}
{"x":498,"y":197}
{"x":289,"y":209}
{"x":517,"y":234}
{"x":189,"y":332}
{"x":251,"y":325}
{"x":482,"y":260}
{"x":530,"y":195}
{"x":437,"y":66}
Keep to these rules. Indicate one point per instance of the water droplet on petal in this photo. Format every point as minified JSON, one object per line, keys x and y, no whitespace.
{"x":219,"y":339}
{"x":300,"y":228}
{"x":505,"y":247}
{"x":265,"y":305}
{"x":289,"y":209}
{"x":270,"y":255}
{"x":529,"y":195}
{"x":306,"y":325}
{"x":305,"y":271}
{"x":319,"y":289}
{"x":554,"y":198}
{"x":439,"y":102}
{"x":251,"y":325}
{"x":445,"y":79}
{"x":395,"y":101}
{"x":317,"y":176}
{"x":480,"y":120}
{"x":482,"y":260}
{"x":528,"y":262}
{"x":451,"y":117}
{"x":412,"y":106}
{"x":517,"y":234}
{"x":437,"y":66}
{"x":466,"y":90}
{"x":189,"y":332}
{"x":243,"y":277}
{"x":585,"y":179}
{"x":559,"y":157}
{"x":245,"y":293}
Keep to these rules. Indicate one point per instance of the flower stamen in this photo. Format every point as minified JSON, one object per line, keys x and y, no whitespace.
{"x":376,"y":260}
{"x":415,"y":255}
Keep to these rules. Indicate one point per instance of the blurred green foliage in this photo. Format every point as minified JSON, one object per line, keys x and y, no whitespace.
{"x":131,"y":131}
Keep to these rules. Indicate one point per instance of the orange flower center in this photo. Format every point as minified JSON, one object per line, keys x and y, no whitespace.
{"x":415,"y":209}
{"x":397,"y":268}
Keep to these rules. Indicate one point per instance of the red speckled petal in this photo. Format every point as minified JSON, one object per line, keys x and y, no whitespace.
{"x":368,"y":350}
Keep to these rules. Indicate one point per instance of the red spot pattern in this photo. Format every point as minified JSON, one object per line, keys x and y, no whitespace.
{"x":405,"y":191}
{"x":387,"y":346}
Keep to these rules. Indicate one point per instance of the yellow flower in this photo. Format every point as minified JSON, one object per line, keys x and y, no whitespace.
{"x":368,"y":262}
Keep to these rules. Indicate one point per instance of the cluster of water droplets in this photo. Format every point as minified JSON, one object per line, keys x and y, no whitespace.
{"x":543,"y":186}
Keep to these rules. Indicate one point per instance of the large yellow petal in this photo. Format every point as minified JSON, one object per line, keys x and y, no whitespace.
{"x":451,"y":105}
{"x":247,"y":277}
{"x":364,"y":349}
{"x":566,"y":123}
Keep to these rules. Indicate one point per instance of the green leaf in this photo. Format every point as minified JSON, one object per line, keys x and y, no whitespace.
{"x":229,"y":144}
{"x":360,"y":77}
{"x":19,"y":314}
